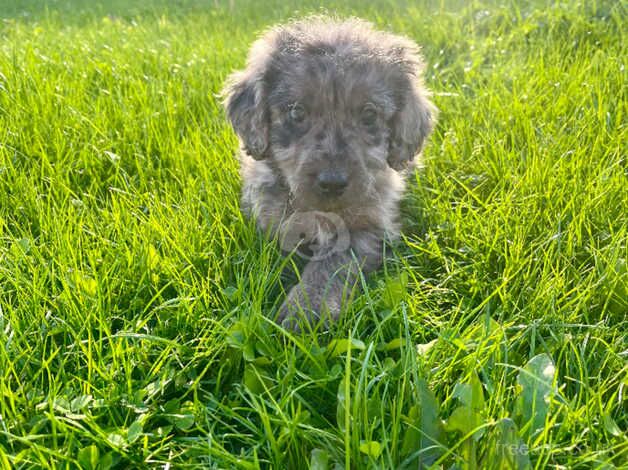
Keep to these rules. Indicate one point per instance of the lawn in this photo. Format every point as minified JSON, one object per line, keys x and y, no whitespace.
{"x":136,"y":302}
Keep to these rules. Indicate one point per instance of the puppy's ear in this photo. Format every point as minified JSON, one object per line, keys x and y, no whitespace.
{"x":245,"y":103}
{"x":414,"y":120}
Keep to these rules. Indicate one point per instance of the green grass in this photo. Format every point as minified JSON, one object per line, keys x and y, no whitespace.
{"x":135,"y":300}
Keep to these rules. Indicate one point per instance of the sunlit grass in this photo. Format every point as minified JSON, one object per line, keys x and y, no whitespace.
{"x":136,"y":302}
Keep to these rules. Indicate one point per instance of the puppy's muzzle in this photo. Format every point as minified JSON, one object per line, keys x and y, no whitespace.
{"x":332,"y":183}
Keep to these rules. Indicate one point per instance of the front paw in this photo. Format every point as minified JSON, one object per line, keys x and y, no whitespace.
{"x":307,"y":304}
{"x":296,"y":309}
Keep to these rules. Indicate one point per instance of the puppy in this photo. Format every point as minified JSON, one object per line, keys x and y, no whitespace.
{"x":330,"y":115}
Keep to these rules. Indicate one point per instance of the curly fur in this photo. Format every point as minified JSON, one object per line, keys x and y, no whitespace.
{"x":327,"y":103}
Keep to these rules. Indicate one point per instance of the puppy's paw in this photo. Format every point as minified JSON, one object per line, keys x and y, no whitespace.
{"x":307,"y":305}
{"x":296,"y":310}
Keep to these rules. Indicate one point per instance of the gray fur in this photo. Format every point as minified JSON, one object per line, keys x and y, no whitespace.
{"x":330,"y":113}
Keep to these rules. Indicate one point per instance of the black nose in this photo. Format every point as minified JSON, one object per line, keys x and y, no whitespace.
{"x":332,"y":183}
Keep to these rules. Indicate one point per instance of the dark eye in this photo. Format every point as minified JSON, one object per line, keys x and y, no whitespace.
{"x":368,"y":117}
{"x":297,"y":113}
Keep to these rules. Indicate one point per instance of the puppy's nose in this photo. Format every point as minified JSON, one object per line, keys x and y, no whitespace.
{"x":332,"y":183}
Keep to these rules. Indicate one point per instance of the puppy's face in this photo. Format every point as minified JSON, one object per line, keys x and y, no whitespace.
{"x":328,"y":129}
{"x":333,"y":105}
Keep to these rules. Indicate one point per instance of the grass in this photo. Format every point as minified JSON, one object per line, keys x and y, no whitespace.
{"x":135,"y":301}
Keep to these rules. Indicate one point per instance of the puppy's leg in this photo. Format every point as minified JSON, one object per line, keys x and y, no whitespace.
{"x":327,"y":284}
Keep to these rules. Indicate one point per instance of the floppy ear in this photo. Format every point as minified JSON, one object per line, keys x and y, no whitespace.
{"x":245,"y":103}
{"x":412,"y":123}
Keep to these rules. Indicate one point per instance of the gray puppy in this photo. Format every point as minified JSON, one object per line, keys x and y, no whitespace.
{"x":330,"y":113}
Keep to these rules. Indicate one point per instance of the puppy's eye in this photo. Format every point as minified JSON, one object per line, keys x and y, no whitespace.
{"x":368,"y":117}
{"x":297,"y":113}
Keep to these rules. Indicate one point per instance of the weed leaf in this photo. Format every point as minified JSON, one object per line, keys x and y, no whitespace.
{"x":506,"y":449}
{"x":319,"y":460}
{"x":340,"y":346}
{"x":371,"y":448}
{"x":421,"y":443}
{"x":88,"y":457}
{"x":535,"y":380}
{"x":468,"y":416}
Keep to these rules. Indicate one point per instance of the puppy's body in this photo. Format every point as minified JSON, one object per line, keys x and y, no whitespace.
{"x":330,"y":114}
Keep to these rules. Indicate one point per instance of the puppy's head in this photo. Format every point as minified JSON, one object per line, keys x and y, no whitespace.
{"x":333,"y":103}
